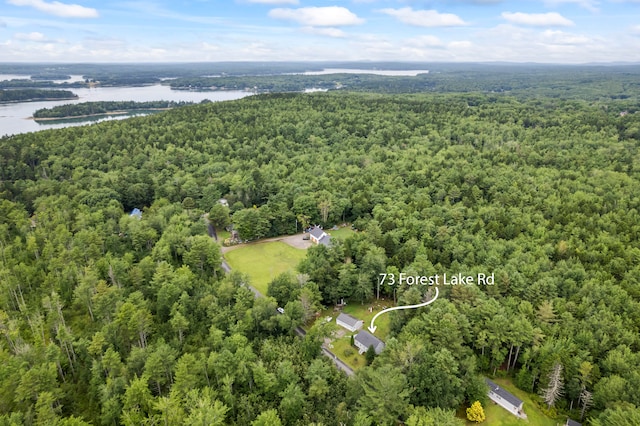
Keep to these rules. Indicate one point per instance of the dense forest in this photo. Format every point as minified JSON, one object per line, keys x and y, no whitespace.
{"x":93,"y":108}
{"x":28,"y":95}
{"x":107,"y":318}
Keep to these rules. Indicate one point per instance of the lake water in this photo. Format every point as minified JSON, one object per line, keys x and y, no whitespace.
{"x":16,"y":118}
{"x":393,"y":73}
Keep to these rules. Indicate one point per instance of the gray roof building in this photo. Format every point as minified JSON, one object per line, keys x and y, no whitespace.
{"x":572,"y":423}
{"x":318,"y":236}
{"x":349,"y":322}
{"x":504,"y":398}
{"x":364,"y":339}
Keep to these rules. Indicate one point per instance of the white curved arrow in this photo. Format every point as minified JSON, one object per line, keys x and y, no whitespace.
{"x":373,"y":328}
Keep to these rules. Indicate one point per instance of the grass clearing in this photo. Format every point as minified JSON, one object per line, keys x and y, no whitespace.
{"x":498,"y":416}
{"x":264,"y":261}
{"x":222,"y":234}
{"x":360,"y":311}
{"x":347,"y":353}
{"x":341,"y":233}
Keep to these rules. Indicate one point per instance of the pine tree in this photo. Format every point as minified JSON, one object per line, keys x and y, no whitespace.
{"x":554,"y":389}
{"x":475,"y":413}
{"x":370,"y":355}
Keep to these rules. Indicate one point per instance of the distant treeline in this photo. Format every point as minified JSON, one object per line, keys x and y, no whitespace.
{"x":25,"y":95}
{"x":93,"y":108}
{"x":26,"y":83}
{"x":270,"y":83}
{"x":45,"y":76}
{"x":594,"y":82}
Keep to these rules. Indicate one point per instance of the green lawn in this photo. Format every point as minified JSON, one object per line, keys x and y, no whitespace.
{"x":360,"y":311}
{"x":498,"y":416}
{"x":223,"y":234}
{"x":342,"y":347}
{"x":264,"y":261}
{"x":341,"y":233}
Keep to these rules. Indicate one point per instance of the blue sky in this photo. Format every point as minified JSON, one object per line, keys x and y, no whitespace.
{"x":549,"y":31}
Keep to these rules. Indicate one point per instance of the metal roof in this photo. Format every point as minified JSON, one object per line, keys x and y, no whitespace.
{"x":507,"y":396}
{"x":573,"y":423}
{"x":348,"y":319}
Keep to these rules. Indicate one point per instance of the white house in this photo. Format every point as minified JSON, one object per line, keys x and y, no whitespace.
{"x":318,"y":236}
{"x":364,"y":339}
{"x":349,"y":322}
{"x":505,"y":399}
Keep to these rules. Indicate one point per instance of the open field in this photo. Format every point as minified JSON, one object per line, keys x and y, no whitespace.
{"x":264,"y":261}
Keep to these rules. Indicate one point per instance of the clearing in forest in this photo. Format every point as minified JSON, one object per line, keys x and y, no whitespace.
{"x":264,"y":261}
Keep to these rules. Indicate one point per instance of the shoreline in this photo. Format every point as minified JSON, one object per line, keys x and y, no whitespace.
{"x":39,"y":100}
{"x":119,"y":112}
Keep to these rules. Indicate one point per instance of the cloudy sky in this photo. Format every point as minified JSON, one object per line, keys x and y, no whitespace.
{"x":552,"y":31}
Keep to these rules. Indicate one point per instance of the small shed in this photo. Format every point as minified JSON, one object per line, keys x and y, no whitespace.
{"x":349,"y":322}
{"x":364,"y":339}
{"x":572,"y":423}
{"x":504,"y":399}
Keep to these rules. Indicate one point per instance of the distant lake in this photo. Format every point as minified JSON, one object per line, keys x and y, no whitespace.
{"x":15,"y":117}
{"x":394,"y":73}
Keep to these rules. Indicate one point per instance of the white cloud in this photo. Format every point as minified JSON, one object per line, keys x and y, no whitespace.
{"x":563,"y":38}
{"x":293,"y":2}
{"x":425,"y":41}
{"x":325,"y":31}
{"x":34,"y":36}
{"x":550,"y":19}
{"x":591,"y":5}
{"x":424,"y":18}
{"x":58,"y":9}
{"x":463,"y":44}
{"x":330,"y":16}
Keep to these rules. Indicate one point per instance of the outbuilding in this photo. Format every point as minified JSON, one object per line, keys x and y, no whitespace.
{"x":349,"y":322}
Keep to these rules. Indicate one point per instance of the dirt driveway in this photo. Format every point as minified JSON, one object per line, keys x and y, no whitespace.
{"x":295,"y":241}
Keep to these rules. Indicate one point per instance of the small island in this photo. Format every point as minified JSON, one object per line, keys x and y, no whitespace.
{"x":34,"y":95}
{"x":93,"y":109}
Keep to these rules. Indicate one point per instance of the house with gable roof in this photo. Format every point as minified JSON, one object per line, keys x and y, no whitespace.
{"x":349,"y":322}
{"x":318,"y":236}
{"x":505,"y":399}
{"x":364,"y":339}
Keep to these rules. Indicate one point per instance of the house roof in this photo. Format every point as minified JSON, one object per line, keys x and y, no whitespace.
{"x":325,"y":240}
{"x":317,"y":232}
{"x":507,"y":396}
{"x":348,"y":319}
{"x":572,"y":423}
{"x":367,"y":339}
